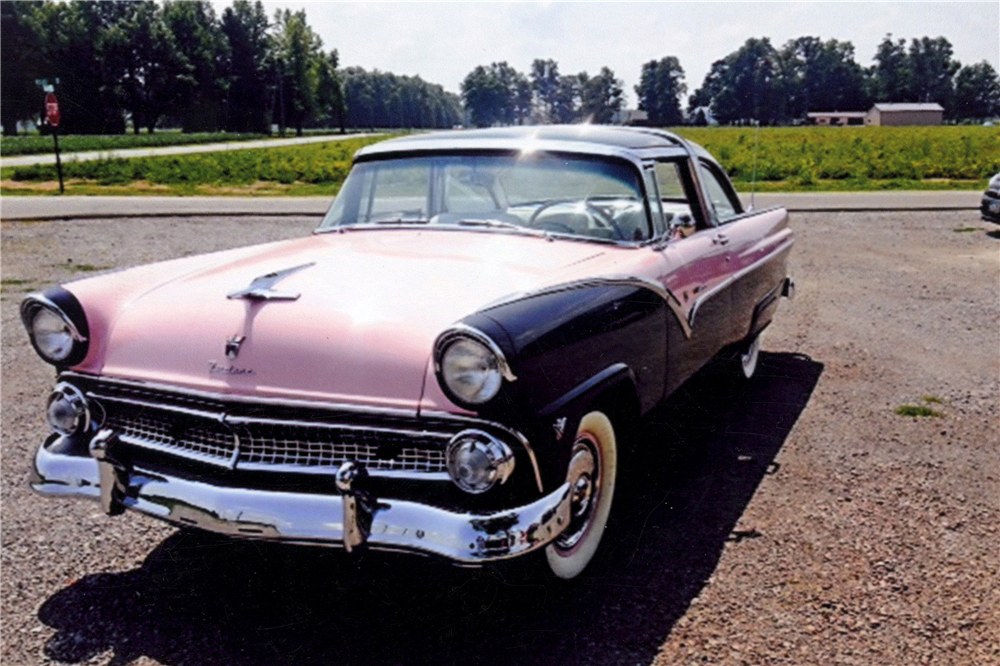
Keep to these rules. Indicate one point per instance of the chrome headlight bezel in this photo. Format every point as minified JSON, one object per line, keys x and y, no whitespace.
{"x":473,"y":341}
{"x":75,"y":327}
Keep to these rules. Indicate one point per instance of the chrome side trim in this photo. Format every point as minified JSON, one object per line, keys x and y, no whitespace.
{"x":36,"y":300}
{"x":610,"y":280}
{"x":316,"y":519}
{"x":464,"y":330}
{"x":743,"y":272}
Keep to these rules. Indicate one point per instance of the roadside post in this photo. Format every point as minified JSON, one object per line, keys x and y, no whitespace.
{"x":52,"y":118}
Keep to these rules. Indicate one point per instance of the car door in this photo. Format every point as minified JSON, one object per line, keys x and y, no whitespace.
{"x":752,"y":239}
{"x":695,"y":266}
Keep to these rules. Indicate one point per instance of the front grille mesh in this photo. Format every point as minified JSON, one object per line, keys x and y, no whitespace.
{"x":313,"y":447}
{"x":165,"y":433}
{"x":163,"y":423}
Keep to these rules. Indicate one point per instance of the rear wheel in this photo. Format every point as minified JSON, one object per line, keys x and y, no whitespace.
{"x":747,"y":360}
{"x":591,"y":476}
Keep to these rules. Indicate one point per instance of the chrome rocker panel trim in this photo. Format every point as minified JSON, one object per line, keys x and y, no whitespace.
{"x":304,"y":518}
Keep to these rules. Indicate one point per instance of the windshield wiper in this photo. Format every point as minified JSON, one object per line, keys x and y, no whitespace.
{"x":400,"y":220}
{"x":493,"y":224}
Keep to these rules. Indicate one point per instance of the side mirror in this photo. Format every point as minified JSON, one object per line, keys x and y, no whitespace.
{"x":681,"y":225}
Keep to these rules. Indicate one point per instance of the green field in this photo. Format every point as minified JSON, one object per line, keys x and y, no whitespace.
{"x":854,"y":158}
{"x":788,"y":159}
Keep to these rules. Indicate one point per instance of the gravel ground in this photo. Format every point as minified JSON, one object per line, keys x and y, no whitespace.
{"x":796,"y":520}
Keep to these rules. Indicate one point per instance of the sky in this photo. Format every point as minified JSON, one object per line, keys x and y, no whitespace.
{"x":443,"y":42}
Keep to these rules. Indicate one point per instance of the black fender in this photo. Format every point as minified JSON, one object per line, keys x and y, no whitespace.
{"x":567,"y":347}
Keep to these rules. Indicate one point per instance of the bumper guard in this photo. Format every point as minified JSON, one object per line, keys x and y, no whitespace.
{"x":348,"y":520}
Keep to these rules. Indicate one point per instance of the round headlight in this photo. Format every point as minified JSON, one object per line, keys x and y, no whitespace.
{"x":52,"y":334}
{"x":471,"y":371}
{"x":477,"y":460}
{"x":68,"y":412}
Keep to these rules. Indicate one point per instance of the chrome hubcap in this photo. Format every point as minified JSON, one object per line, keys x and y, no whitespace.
{"x":580,"y":500}
{"x":584,"y":491}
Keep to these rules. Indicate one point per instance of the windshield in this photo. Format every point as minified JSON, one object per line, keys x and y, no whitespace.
{"x":589,"y":197}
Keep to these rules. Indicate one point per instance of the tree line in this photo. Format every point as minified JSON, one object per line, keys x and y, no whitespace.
{"x":755,"y":83}
{"x":777,"y":86}
{"x":179,"y":64}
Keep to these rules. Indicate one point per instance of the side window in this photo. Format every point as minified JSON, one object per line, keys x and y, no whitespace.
{"x":675,"y":183}
{"x":668,"y":177}
{"x":719,"y":195}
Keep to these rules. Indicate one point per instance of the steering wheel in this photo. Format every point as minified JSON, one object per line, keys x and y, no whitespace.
{"x":599,"y":216}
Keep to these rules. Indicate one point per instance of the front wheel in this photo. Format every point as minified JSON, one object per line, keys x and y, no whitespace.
{"x":591,"y":476}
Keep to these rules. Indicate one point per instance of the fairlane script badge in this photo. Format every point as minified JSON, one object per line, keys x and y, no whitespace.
{"x":215,"y":369}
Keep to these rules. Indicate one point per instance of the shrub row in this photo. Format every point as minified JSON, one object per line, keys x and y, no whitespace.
{"x":310,"y":163}
{"x":37,"y":145}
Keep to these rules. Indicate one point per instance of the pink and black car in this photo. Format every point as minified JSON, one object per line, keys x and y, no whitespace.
{"x":451,"y":364}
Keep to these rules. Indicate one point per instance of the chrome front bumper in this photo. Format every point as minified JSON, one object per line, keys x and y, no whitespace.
{"x":346,"y":520}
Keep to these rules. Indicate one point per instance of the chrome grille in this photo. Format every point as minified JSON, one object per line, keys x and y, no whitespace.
{"x":328,"y":448}
{"x":205,"y":431}
{"x":166,"y":433}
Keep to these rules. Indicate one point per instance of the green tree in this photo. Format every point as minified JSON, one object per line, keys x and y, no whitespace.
{"x":71,"y":39}
{"x":383,"y":99}
{"x":198,"y":35}
{"x":932,"y":72}
{"x":141,"y":57}
{"x":660,"y":88}
{"x":566,"y":98}
{"x":890,"y":76}
{"x":820,"y":76}
{"x":545,"y":86}
{"x":250,"y":87}
{"x":744,"y":86}
{"x":297,"y":51}
{"x":330,"y":92}
{"x":19,"y":51}
{"x":497,"y":94}
{"x":601,"y":97}
{"x":977,"y":92}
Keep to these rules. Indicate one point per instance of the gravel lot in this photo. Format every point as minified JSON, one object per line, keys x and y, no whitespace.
{"x":796,"y":521}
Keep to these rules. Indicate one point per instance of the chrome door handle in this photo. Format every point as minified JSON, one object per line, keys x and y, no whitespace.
{"x":720,"y":239}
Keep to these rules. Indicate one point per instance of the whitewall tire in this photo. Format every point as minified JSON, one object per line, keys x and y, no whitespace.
{"x":591,"y":475}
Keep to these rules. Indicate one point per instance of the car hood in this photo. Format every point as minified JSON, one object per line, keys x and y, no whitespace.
{"x":369,"y":306}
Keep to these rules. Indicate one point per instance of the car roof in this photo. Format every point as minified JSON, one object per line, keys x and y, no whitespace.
{"x":602,"y":139}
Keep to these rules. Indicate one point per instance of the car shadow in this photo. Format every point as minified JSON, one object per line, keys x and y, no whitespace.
{"x":994,"y":234}
{"x":201,"y":599}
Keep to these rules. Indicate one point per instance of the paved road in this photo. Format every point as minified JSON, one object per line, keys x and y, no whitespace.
{"x":25,"y":160}
{"x":56,"y":208}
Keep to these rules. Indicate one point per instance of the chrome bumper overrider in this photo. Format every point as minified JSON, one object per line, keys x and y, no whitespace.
{"x":385,"y":524}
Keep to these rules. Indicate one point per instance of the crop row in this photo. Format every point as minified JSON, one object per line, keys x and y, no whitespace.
{"x":311,"y":163}
{"x":36,"y":144}
{"x":806,"y":155}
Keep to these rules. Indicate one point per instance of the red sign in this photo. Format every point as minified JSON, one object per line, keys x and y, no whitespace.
{"x":52,"y":110}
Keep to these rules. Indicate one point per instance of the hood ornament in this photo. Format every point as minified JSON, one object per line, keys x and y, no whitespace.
{"x":260,"y":288}
{"x":233,"y":346}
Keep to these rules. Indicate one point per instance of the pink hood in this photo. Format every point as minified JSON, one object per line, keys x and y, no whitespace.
{"x":362,"y":330}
